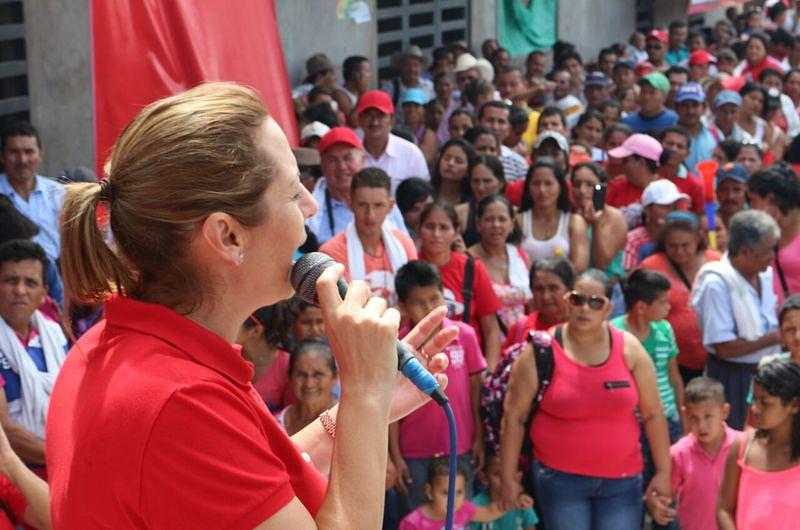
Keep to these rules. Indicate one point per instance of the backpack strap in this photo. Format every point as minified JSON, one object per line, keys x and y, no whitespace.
{"x":545,"y":363}
{"x":466,"y":292}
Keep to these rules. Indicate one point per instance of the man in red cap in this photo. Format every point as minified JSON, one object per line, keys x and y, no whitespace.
{"x":700,"y":62}
{"x":657,"y":49}
{"x":341,"y":157}
{"x":399,"y":158}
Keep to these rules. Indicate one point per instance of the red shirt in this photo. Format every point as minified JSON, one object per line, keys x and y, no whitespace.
{"x":484,"y":300}
{"x":519,"y":331}
{"x":515,"y":191}
{"x":153,"y":423}
{"x":14,"y":501}
{"x":691,"y":186}
{"x":622,"y":193}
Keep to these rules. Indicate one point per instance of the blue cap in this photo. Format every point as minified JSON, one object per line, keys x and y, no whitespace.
{"x":690,"y":92}
{"x":727,"y":96}
{"x":734,"y":171}
{"x":414,"y":95}
{"x":624,"y":64}
{"x":595,"y":79}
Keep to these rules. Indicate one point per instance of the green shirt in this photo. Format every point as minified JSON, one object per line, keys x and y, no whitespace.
{"x":513,"y":520}
{"x":661,"y":346}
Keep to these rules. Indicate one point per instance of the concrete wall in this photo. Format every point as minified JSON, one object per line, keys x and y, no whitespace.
{"x":665,"y":11}
{"x":310,"y":26}
{"x":60,"y":81}
{"x":482,"y":24}
{"x":593,"y":24}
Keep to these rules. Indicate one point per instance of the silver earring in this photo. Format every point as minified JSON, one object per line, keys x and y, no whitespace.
{"x":241,"y":257}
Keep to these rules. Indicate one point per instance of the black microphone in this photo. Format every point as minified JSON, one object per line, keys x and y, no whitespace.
{"x":304,"y":277}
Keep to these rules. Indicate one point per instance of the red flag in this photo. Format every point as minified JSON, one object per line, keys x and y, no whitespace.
{"x":144,"y":50}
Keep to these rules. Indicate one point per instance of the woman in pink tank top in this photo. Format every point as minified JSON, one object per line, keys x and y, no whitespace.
{"x":585,"y":434}
{"x":761,"y":486}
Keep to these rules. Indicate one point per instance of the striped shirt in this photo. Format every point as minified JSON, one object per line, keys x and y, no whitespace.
{"x":662,"y":348}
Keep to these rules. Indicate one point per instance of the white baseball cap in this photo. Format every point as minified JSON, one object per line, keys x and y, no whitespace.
{"x":663,"y":192}
{"x":315,"y":128}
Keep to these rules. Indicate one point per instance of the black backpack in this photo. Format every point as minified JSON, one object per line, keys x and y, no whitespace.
{"x":495,"y":386}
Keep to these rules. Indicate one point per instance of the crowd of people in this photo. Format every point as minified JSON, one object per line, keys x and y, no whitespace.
{"x":637,"y":212}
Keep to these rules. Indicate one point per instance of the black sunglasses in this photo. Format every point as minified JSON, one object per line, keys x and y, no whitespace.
{"x":595,"y":302}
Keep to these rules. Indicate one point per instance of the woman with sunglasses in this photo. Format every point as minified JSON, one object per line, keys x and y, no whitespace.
{"x":585,"y":433}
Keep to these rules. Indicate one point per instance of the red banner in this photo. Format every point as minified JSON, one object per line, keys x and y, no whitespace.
{"x":144,"y":50}
{"x":701,"y":6}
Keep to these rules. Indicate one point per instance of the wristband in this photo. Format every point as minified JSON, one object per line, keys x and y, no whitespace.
{"x":328,"y":423}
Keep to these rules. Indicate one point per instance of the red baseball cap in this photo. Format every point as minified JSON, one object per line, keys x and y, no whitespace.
{"x":701,"y":57}
{"x":339,"y":135}
{"x":375,"y":99}
{"x":658,"y":35}
{"x":644,"y":68}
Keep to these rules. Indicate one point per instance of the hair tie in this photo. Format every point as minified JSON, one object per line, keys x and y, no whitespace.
{"x":680,"y":215}
{"x":106,"y":193}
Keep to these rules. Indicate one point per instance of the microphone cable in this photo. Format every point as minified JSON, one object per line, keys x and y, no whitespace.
{"x":451,"y":485}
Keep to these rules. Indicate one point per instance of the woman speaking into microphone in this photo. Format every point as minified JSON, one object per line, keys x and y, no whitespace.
{"x":153,"y":422}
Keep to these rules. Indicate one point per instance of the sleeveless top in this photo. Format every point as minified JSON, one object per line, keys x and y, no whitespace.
{"x":471,"y":235}
{"x":584,"y":427}
{"x":766,"y":499}
{"x":558,"y":245}
{"x":516,"y":293}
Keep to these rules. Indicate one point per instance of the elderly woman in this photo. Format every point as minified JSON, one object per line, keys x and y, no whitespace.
{"x":153,"y":421}
{"x":735,"y":305}
{"x":777,"y":192}
{"x":585,"y":433}
{"x":680,"y":253}
{"x":312,"y":376}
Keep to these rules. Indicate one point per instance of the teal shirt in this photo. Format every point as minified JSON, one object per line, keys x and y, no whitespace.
{"x":662,"y":348}
{"x":677,"y":57}
{"x":513,"y":520}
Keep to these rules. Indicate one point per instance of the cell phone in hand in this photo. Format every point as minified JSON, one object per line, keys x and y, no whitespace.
{"x":599,"y":196}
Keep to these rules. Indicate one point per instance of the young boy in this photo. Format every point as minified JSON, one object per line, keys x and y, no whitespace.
{"x":698,"y":459}
{"x":645,"y":294}
{"x":423,"y":435}
{"x":514,"y":520}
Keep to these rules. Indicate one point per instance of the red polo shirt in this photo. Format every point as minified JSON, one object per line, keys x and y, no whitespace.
{"x":153,"y":423}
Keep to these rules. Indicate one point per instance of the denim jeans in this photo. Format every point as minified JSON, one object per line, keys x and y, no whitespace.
{"x":418,"y":469}
{"x":576,"y":502}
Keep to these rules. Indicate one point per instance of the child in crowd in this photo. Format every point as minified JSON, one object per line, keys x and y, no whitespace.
{"x":762,"y":473}
{"x":645,"y":294}
{"x":423,"y":435}
{"x":523,"y":519}
{"x":789,"y":325}
{"x":308,"y":322}
{"x":431,"y":514}
{"x":698,"y":459}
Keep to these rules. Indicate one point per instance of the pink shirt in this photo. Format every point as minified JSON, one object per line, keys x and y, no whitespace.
{"x":423,"y":433}
{"x":766,"y":499}
{"x":696,"y":478}
{"x":789,"y":259}
{"x":583,"y":425}
{"x":273,"y":385}
{"x":417,"y":520}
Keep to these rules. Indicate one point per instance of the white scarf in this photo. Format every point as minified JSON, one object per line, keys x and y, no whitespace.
{"x":355,"y":251}
{"x":30,"y":410}
{"x":746,"y":313}
{"x":518,"y":271}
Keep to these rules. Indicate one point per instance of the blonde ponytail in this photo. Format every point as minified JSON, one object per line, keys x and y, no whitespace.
{"x":90,"y":268}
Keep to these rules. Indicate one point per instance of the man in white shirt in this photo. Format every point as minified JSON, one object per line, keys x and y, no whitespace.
{"x":399,"y":158}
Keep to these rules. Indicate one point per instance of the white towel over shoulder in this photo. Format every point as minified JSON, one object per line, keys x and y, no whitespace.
{"x":355,"y":251}
{"x":745,"y":313}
